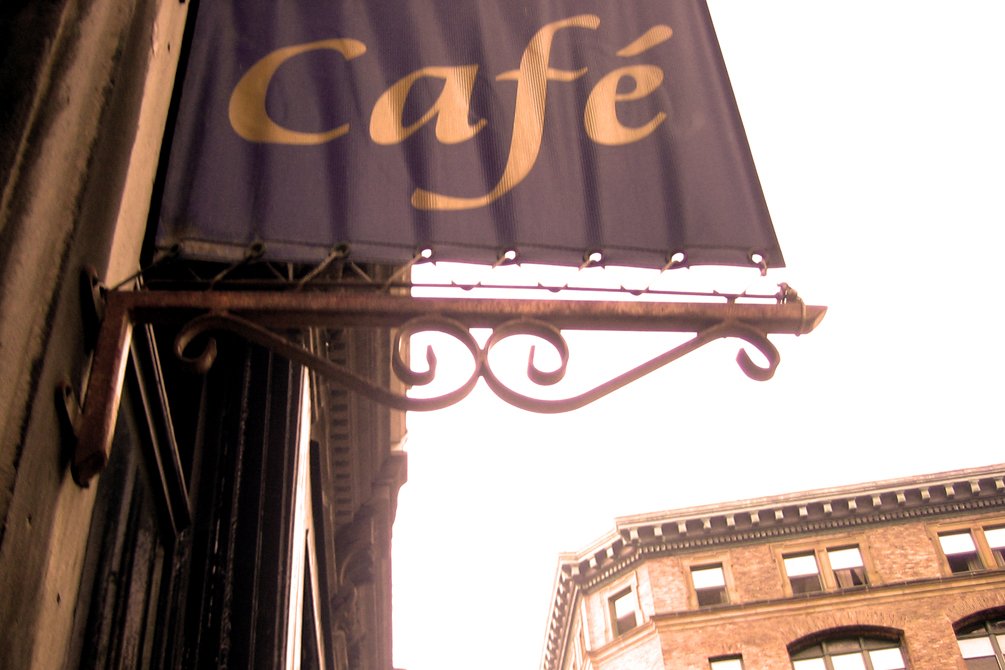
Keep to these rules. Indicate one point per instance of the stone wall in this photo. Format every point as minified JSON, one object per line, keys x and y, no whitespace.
{"x":75,"y":76}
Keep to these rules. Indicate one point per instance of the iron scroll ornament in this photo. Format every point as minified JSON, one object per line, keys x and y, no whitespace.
{"x":261,"y":317}
{"x":257,"y":334}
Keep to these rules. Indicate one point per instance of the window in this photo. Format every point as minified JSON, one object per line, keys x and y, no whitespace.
{"x":996,"y":542}
{"x":846,"y":564}
{"x":803,"y":573}
{"x":981,"y":645}
{"x":970,"y":549}
{"x":709,"y":585}
{"x":850,"y":653}
{"x":624,"y":611}
{"x":822,"y":568}
{"x":726,"y":663}
{"x":960,"y":551}
{"x":577,"y":649}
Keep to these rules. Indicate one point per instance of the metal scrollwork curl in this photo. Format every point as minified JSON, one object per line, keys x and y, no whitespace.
{"x":733,"y":329}
{"x":252,"y":332}
{"x":533,"y":328}
{"x":412,"y":377}
{"x":293,"y":351}
{"x":204,"y":359}
{"x":759,"y":341}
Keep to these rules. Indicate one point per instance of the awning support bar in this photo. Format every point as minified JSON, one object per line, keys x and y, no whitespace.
{"x":257,"y":315}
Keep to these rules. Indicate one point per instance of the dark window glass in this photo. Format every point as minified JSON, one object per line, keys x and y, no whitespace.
{"x":813,"y":651}
{"x":850,"y":578}
{"x":708,"y":597}
{"x":964,"y":562}
{"x":805,"y":584}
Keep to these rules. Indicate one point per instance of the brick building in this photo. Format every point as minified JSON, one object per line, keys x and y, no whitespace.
{"x":906,"y":573}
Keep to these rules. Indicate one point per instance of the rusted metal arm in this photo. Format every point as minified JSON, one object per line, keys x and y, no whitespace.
{"x":345,"y":309}
{"x":252,"y":315}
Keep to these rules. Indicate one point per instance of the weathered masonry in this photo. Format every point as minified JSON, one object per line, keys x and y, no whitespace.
{"x":904,"y":573}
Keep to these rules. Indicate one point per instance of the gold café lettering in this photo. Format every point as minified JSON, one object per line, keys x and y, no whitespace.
{"x":250,"y":119}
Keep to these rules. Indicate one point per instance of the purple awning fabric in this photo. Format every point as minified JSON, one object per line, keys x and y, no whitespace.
{"x":551,"y":128}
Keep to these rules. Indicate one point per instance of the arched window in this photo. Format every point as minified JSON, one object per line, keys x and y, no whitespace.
{"x":856,"y":652}
{"x":981,"y":644}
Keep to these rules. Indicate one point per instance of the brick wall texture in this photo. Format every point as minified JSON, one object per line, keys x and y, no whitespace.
{"x":911,"y":593}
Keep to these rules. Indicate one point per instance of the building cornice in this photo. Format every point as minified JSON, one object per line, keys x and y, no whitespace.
{"x":640,"y":537}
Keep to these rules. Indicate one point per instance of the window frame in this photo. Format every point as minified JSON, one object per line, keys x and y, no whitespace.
{"x":584,"y":626}
{"x":982,"y":629}
{"x":987,"y":555}
{"x":997,"y":553}
{"x":865,"y":642}
{"x":951,"y":559}
{"x":720,"y":659}
{"x":614,"y":593}
{"x":696,"y":593}
{"x":819,"y":573}
{"x":826,"y":574}
{"x":834,"y":571}
{"x":578,"y":652}
{"x":700,"y":562}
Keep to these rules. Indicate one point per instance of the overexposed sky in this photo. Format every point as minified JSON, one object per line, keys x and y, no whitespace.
{"x":877,"y":130}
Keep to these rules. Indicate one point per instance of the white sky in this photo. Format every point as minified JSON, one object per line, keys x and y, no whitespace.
{"x":877,"y":130}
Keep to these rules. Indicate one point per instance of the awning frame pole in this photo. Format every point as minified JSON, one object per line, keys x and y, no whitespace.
{"x":256,"y":316}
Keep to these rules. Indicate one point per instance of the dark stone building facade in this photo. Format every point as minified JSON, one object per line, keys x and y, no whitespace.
{"x":244,"y":516}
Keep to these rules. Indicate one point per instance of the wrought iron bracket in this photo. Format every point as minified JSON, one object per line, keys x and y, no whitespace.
{"x":256,"y":316}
